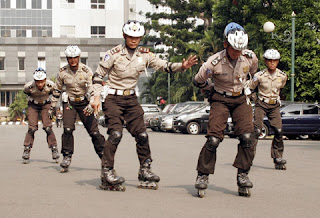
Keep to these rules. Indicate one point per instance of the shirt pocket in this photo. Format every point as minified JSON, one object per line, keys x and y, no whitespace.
{"x":140,"y":68}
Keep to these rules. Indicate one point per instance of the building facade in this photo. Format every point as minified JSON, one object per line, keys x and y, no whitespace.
{"x":35,"y":33}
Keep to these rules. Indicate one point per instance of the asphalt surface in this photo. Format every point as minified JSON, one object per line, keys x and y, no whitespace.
{"x":38,"y":189}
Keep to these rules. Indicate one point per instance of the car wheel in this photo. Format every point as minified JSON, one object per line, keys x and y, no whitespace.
{"x":303,"y":137}
{"x":264,"y":132}
{"x":156,"y":129}
{"x":193,"y":128}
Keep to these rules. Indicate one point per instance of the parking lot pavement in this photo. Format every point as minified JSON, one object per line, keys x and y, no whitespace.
{"x":38,"y":189}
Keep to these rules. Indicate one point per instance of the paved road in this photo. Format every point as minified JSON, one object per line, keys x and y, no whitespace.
{"x":38,"y":189}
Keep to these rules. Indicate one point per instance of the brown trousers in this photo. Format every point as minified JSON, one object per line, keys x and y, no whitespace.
{"x":70,"y":111}
{"x":120,"y":111}
{"x":241,"y":113}
{"x":33,"y":114}
{"x":274,"y":117}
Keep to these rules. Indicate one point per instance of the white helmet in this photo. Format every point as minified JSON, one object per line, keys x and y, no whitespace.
{"x":72,"y":51}
{"x":236,"y":36}
{"x":39,"y":74}
{"x":133,"y":28}
{"x":271,"y":54}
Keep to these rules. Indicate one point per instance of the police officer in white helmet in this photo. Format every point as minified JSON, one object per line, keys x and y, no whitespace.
{"x":124,"y":64}
{"x":39,"y":92}
{"x":269,"y":82}
{"x":77,"y":78}
{"x":228,"y":70}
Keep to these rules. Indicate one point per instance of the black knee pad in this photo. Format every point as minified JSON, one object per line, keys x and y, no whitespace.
{"x":246,"y":140}
{"x":115,"y":137}
{"x":31,"y":132}
{"x":67,"y":131}
{"x":278,"y":133}
{"x":142,"y":138}
{"x":48,"y":130}
{"x":212,"y":143}
{"x":95,"y":135}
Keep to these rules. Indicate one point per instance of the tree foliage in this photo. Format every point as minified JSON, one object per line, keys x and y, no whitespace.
{"x":184,"y":37}
{"x":20,"y":103}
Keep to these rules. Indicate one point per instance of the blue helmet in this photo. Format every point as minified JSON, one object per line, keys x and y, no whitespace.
{"x":236,"y":36}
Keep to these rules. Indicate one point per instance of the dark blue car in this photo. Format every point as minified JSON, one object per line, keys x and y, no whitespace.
{"x":299,"y":120}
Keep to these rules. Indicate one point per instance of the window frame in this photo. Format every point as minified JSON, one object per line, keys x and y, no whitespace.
{"x":24,"y":63}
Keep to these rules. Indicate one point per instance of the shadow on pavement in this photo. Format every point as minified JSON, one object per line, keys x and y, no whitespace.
{"x":193,"y":191}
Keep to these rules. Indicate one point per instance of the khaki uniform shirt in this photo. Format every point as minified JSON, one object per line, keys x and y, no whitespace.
{"x":77,"y":84}
{"x":123,"y":70}
{"x":268,"y":86}
{"x":227,"y":78}
{"x":37,"y":96}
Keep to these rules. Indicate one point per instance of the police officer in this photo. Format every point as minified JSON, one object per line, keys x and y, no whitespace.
{"x":269,"y":82}
{"x":228,"y":70}
{"x":39,"y":90}
{"x":124,"y":64}
{"x":77,"y":78}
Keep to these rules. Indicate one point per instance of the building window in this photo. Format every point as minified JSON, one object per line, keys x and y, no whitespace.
{"x":98,"y":32}
{"x":97,"y":4}
{"x":36,"y":4}
{"x":42,"y":62}
{"x":21,"y":33}
{"x":67,"y":31}
{"x":1,"y":63}
{"x":21,"y":4}
{"x":84,"y":60}
{"x":21,"y":63}
{"x":49,"y":4}
{"x":67,"y":3}
{"x":7,"y":98}
{"x":4,"y":3}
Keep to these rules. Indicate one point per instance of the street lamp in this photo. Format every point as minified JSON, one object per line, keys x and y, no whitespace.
{"x":293,"y":15}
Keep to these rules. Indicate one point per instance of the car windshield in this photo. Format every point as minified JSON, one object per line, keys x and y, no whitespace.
{"x":291,"y":109}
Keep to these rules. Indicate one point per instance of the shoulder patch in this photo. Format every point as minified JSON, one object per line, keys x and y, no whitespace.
{"x":282,"y":73}
{"x":216,"y":61}
{"x":115,"y":50}
{"x":63,"y":68}
{"x":144,"y":50}
{"x":85,"y":69}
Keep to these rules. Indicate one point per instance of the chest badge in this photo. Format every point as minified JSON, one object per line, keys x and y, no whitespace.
{"x":245,"y":69}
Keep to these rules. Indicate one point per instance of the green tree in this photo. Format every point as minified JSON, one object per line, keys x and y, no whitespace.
{"x":183,"y":37}
{"x":20,"y":103}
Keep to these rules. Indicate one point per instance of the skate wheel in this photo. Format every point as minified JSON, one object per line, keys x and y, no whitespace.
{"x":64,"y":170}
{"x":245,"y":192}
{"x":25,"y":161}
{"x":201,"y":193}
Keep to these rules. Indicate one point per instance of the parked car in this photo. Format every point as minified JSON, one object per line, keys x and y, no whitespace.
{"x":154,"y":122}
{"x":298,"y":120}
{"x":166,"y":122}
{"x":193,"y":122}
{"x":150,"y":110}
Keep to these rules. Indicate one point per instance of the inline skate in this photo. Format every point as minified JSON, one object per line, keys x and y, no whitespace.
{"x":201,"y":185}
{"x":280,"y":164}
{"x":26,"y":154}
{"x":111,"y":181}
{"x":147,"y":179}
{"x":65,"y":164}
{"x":244,"y":184}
